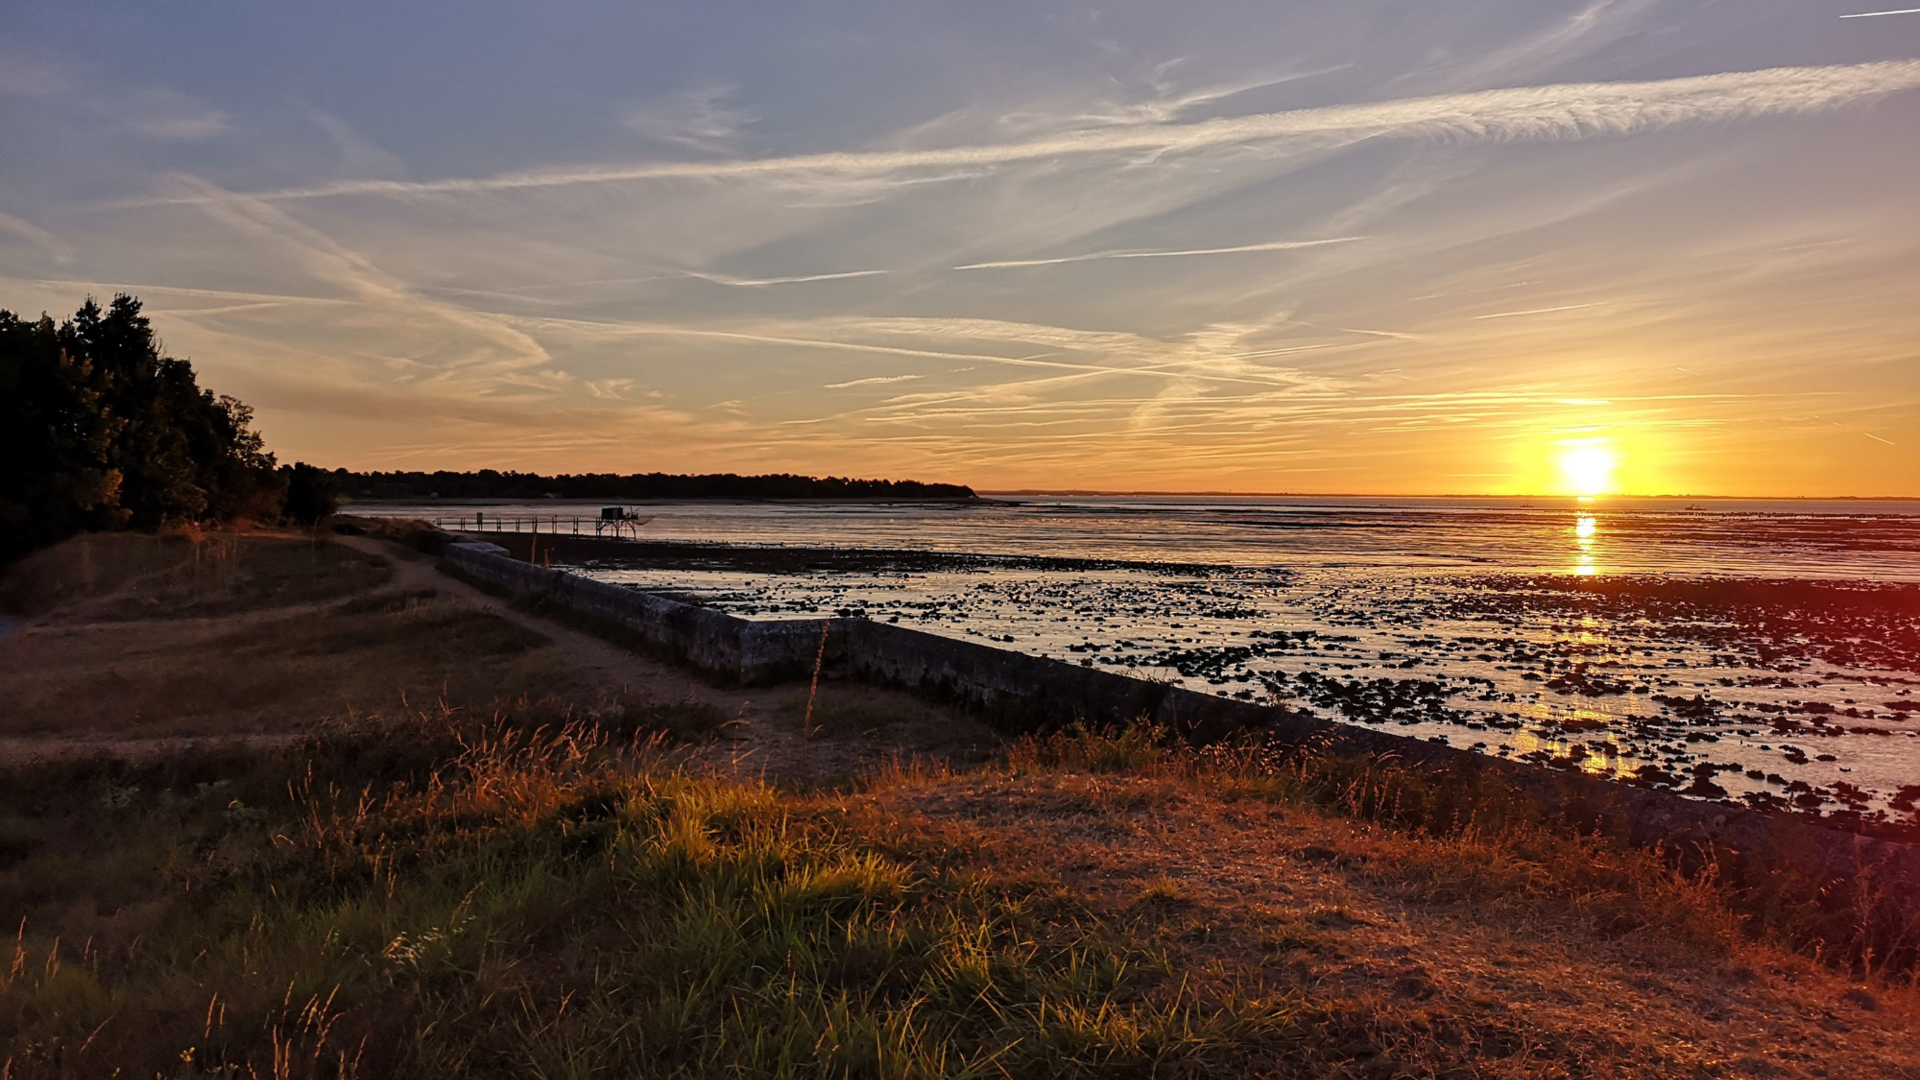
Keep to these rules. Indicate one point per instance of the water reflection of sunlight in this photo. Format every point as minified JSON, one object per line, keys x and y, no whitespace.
{"x":1596,"y":758}
{"x":1586,"y":530}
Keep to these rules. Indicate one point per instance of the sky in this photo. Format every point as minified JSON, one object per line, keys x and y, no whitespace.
{"x":1373,"y":246}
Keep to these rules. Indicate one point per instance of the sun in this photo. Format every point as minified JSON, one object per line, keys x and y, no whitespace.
{"x":1587,"y":467}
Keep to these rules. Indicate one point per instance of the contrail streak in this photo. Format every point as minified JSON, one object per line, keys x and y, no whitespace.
{"x":1562,"y":111}
{"x":722,"y":279}
{"x":1538,"y":311}
{"x":1278,"y":245}
{"x":872,"y":381}
{"x":1876,"y":14}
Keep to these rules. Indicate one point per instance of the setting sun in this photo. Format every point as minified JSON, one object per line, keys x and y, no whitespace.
{"x":1587,"y":466}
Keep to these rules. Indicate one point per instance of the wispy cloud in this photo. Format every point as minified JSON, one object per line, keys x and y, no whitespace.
{"x":723,"y":279}
{"x":1278,"y":245}
{"x":497,"y":356}
{"x":1540,"y":311}
{"x":1170,"y":105}
{"x":51,"y":244}
{"x":167,"y":114}
{"x":608,"y":388}
{"x":871,"y":382}
{"x":700,"y":119}
{"x":359,"y":155}
{"x":1560,"y":111}
{"x":1597,"y":25}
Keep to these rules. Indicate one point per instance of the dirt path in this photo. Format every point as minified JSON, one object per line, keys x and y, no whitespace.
{"x":606,"y":664}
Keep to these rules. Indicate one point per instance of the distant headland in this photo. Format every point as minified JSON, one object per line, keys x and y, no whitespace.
{"x":492,"y":484}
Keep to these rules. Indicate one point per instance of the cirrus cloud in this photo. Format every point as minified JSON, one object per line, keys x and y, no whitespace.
{"x":1557,"y":111}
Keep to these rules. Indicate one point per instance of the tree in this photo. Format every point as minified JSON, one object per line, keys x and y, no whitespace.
{"x":310,"y":493}
{"x":101,"y":430}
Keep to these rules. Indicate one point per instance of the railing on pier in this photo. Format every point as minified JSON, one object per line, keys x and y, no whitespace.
{"x":624,"y":525}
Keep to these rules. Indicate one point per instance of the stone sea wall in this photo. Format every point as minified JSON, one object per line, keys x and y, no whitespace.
{"x":737,"y":649}
{"x":1028,"y":693}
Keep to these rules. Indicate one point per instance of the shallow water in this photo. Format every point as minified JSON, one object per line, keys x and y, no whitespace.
{"x":1590,"y":635}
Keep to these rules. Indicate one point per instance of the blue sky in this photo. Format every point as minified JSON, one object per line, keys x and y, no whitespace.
{"x":1390,"y":246}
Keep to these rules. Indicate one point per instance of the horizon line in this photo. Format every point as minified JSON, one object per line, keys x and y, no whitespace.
{"x":1378,"y":495}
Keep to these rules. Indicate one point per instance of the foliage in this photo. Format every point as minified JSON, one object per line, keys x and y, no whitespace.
{"x":311,"y":495}
{"x":100,"y":430}
{"x":491,"y":484}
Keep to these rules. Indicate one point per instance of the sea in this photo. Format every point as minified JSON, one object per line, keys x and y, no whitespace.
{"x":1764,"y":652}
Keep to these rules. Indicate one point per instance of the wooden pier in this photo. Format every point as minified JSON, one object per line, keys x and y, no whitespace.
{"x":608,"y":524}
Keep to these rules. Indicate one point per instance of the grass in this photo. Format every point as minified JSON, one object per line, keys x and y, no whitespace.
{"x":182,"y":575}
{"x":145,"y":637}
{"x":1462,"y":834}
{"x":536,"y":892}
{"x":456,"y":895}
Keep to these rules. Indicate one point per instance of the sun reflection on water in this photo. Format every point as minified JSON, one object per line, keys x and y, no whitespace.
{"x":1599,"y":756}
{"x":1586,"y":531}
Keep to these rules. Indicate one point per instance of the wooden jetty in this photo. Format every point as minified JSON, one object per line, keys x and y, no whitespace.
{"x":614,"y":521}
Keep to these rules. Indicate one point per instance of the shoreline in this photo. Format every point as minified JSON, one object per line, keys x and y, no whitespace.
{"x":1566,"y":702}
{"x":1596,"y":499}
{"x":1035,"y":690}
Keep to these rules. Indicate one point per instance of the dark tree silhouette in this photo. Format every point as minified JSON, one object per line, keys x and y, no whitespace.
{"x":311,"y":496}
{"x":100,"y":431}
{"x":491,"y":484}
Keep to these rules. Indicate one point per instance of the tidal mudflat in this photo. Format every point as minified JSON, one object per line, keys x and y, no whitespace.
{"x":1760,"y":653}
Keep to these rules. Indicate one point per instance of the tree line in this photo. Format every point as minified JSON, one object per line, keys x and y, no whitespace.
{"x":492,"y":484}
{"x":99,"y":430}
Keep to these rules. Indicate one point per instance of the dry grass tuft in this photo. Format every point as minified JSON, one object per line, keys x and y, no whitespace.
{"x":1444,"y":926}
{"x":1461,"y":834}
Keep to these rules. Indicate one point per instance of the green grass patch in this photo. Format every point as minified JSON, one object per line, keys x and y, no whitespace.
{"x":454,"y":895}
